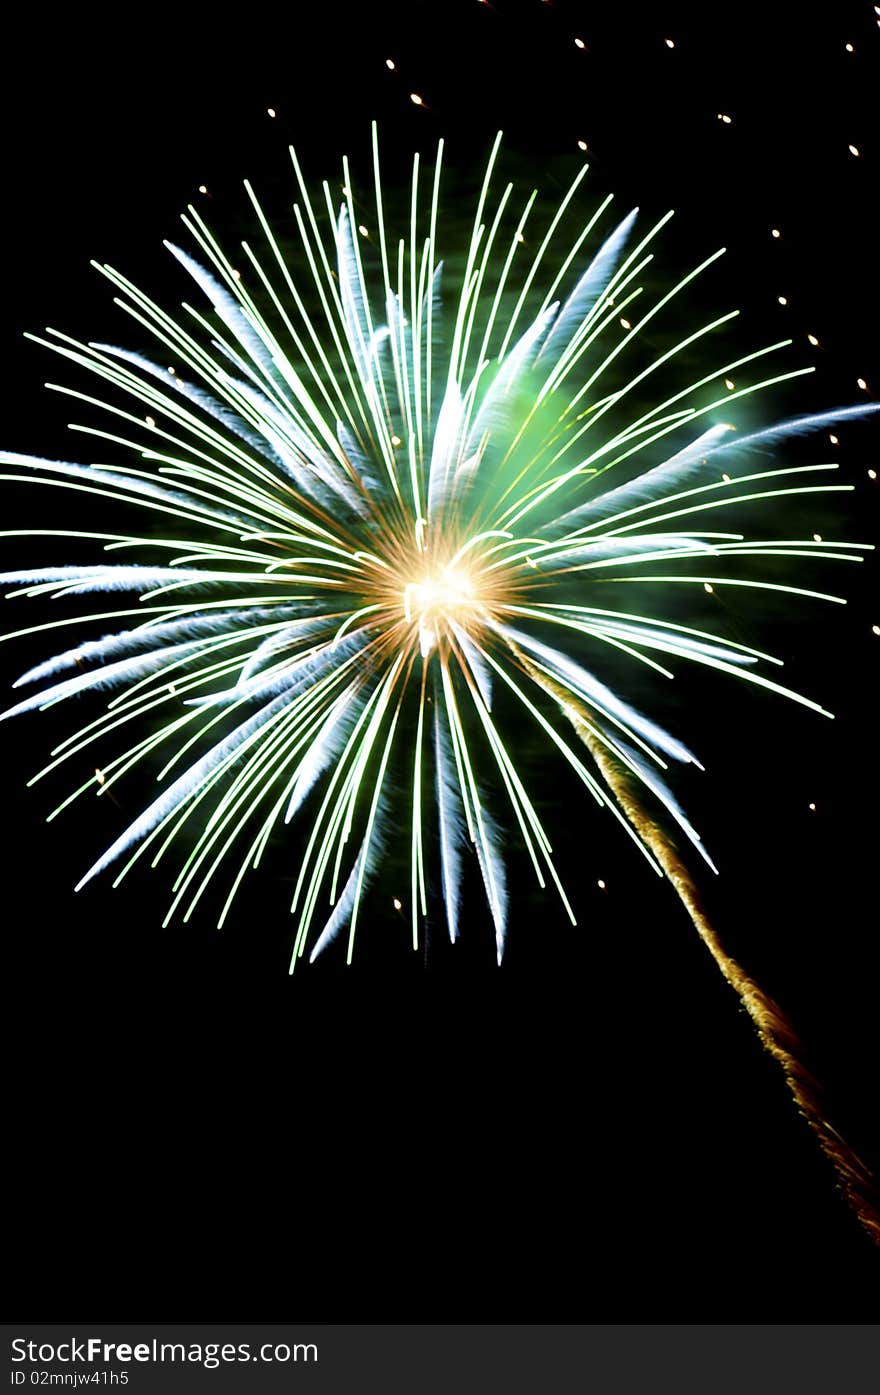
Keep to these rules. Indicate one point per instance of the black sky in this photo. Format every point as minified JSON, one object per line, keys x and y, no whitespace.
{"x":592,"y":1132}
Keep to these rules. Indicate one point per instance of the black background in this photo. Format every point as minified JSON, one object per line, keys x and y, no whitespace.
{"x":591,"y":1132}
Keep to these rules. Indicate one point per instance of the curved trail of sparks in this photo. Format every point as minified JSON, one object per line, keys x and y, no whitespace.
{"x":777,"y":1033}
{"x":775,"y":1030}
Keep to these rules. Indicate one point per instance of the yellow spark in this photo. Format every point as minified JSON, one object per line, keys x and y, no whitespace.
{"x":99,"y":776}
{"x":835,"y":441}
{"x":726,"y":479}
{"x":872,"y":474}
{"x":435,"y":596}
{"x":817,"y":537}
{"x":849,"y":48}
{"x":416,"y":99}
{"x":813,"y":808}
{"x":390,"y":64}
{"x":364,"y":232}
{"x":626,"y":324}
{"x":813,"y":340}
{"x":707,"y":587}
{"x":579,"y":43}
{"x":862,"y":384}
{"x":774,"y":232}
{"x":782,"y":299}
{"x":395,"y":440}
{"x":582,"y":145}
{"x":853,"y":150}
{"x":397,"y":904}
{"x":729,"y":384}
{"x":270,"y":111}
{"x":875,"y":629}
{"x":728,"y":120}
{"x":601,"y":885}
{"x":670,"y":43}
{"x":202,"y":189}
{"x":151,"y":421}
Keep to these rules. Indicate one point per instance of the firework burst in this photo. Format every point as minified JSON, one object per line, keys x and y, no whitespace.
{"x":383,"y":510}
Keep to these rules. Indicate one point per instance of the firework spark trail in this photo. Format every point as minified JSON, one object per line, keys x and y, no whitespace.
{"x":377,"y":518}
{"x":776,"y":1032}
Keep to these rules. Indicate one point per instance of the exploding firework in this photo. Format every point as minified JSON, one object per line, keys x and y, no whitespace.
{"x":386,"y":507}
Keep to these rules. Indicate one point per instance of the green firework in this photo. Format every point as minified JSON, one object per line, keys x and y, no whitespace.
{"x":387,"y":506}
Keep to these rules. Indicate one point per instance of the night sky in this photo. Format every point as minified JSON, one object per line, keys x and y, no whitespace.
{"x":592,"y":1132}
